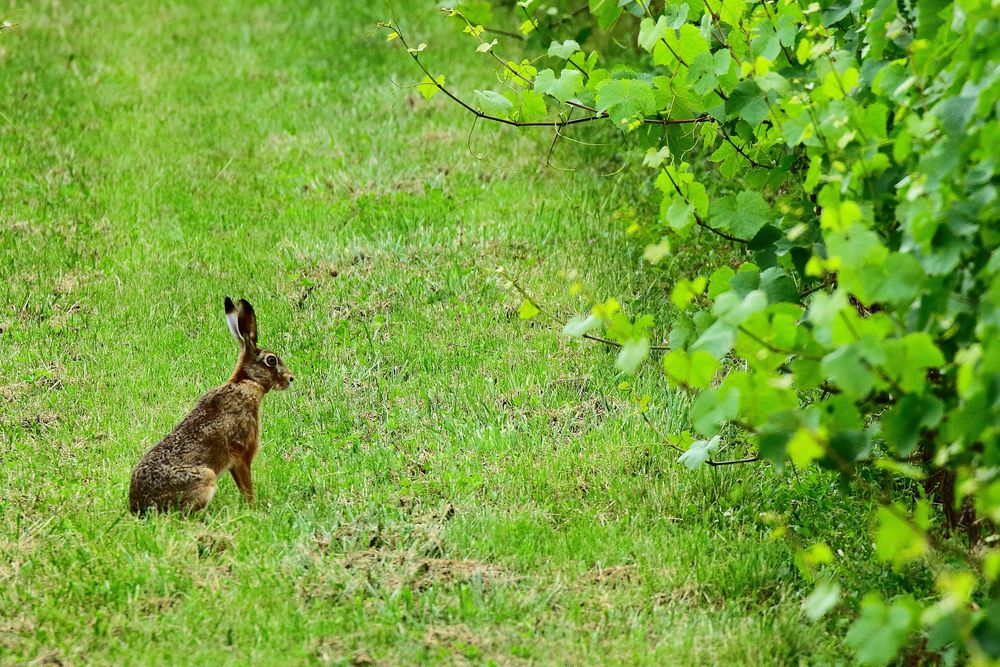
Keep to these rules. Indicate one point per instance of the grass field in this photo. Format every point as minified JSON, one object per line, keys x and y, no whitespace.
{"x":443,"y":483}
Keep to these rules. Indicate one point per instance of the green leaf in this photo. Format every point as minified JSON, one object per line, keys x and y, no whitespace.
{"x":773,"y":436}
{"x":903,"y":423}
{"x":881,"y":630}
{"x":478,"y":12}
{"x":564,"y":88}
{"x":699,"y":452}
{"x":734,"y":309}
{"x":532,"y":108}
{"x":676,"y":15}
{"x":717,"y":339}
{"x":772,"y":82}
{"x":626,"y":99}
{"x":824,"y":597}
{"x":732,"y":11}
{"x":688,"y":42}
{"x":654,"y":158}
{"x":564,"y":50}
{"x":816,"y":555}
{"x":908,"y":358}
{"x":680,"y":214}
{"x":921,"y":350}
{"x":527,"y":310}
{"x":766,"y":43}
{"x":804,"y":447}
{"x":655,"y":252}
{"x":493,"y":103}
{"x":651,"y":32}
{"x":711,"y":408}
{"x":741,"y":215}
{"x":987,"y":631}
{"x":896,"y":280}
{"x":695,"y":369}
{"x":705,"y":70}
{"x":698,"y":197}
{"x":807,"y":373}
{"x":901,"y":469}
{"x":778,"y":287}
{"x":427,"y":87}
{"x":719,"y":281}
{"x":605,"y":11}
{"x":632,"y":354}
{"x":747,"y":102}
{"x":898,"y":539}
{"x":579,"y":326}
{"x":685,"y":291}
{"x":845,"y":367}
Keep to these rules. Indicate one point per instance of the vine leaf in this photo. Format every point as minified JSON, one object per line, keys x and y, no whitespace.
{"x":532,"y":106}
{"x":651,"y":32}
{"x":578,"y":327}
{"x":606,"y":12}
{"x":695,"y":369}
{"x":881,"y":630}
{"x":633,"y":353}
{"x":564,"y":50}
{"x":655,"y":252}
{"x":494,"y":103}
{"x":427,"y":87}
{"x":699,"y":452}
{"x":824,"y":597}
{"x":528,"y":310}
{"x":899,"y":540}
{"x":563,"y":88}
{"x":625,"y":99}
{"x":742,"y":215}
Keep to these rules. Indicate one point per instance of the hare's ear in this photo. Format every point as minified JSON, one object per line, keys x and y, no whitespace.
{"x":232,"y":320}
{"x":247,"y":321}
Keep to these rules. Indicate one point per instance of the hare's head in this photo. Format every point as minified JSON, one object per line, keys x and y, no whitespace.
{"x":262,"y":366}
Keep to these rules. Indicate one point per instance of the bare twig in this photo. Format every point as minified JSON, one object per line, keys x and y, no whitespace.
{"x":714,"y":464}
{"x":514,"y":123}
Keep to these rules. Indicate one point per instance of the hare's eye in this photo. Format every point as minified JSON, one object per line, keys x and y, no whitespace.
{"x":271,"y":360}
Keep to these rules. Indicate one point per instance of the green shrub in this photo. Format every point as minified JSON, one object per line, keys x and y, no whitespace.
{"x":849,"y":151}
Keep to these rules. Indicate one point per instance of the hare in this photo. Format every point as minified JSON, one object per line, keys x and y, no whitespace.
{"x":221,"y":433}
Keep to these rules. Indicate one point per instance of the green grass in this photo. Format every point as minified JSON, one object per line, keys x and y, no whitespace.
{"x":444,"y":483}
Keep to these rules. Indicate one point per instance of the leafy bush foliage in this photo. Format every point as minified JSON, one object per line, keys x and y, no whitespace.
{"x":849,"y":150}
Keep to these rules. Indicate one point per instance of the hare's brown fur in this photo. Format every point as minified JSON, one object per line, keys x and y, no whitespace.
{"x":221,"y":433}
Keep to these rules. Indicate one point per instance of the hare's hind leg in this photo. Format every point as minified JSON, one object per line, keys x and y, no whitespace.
{"x":187,"y":488}
{"x":200,"y":495}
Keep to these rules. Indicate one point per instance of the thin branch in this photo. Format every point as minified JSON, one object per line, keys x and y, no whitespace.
{"x":777,"y":350}
{"x":725,"y":135}
{"x":749,"y":459}
{"x":714,"y":464}
{"x":698,"y":219}
{"x":665,"y":122}
{"x":516,"y":123}
{"x":824,"y":284}
{"x":660,"y":435}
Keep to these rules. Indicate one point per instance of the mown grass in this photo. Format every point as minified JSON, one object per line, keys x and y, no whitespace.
{"x":444,"y":483}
